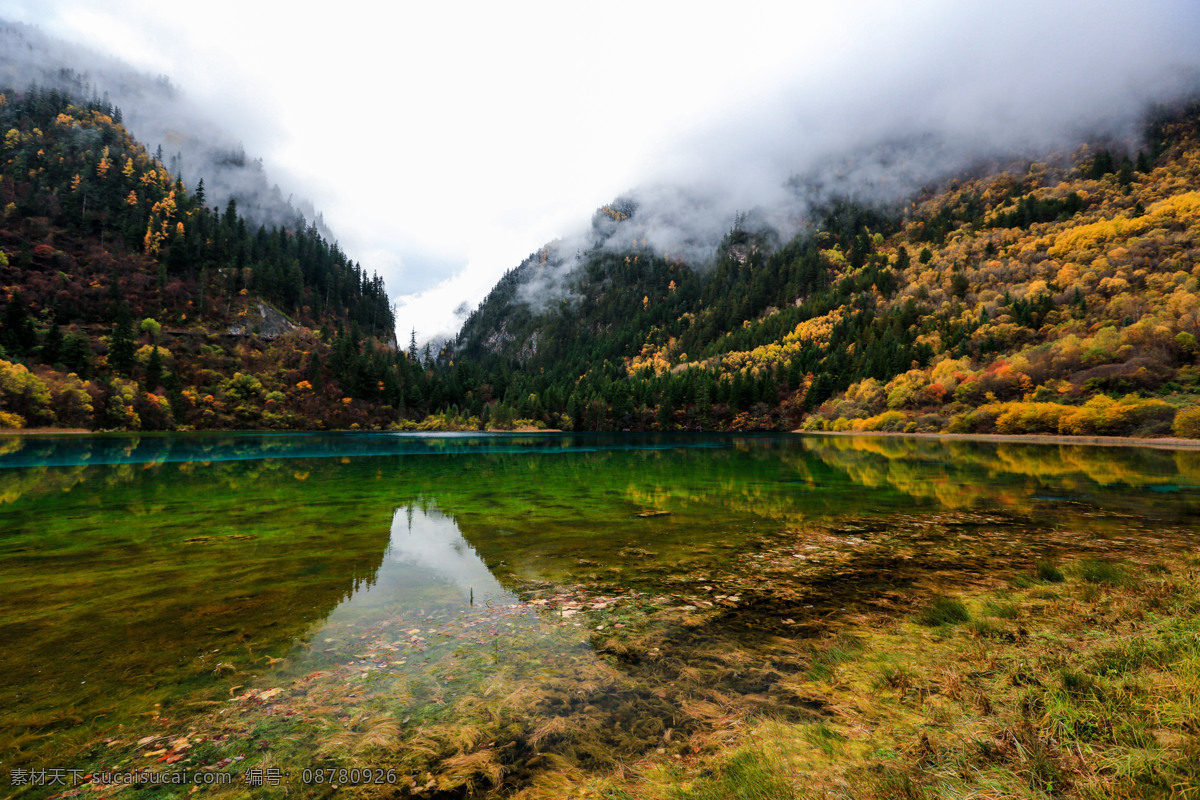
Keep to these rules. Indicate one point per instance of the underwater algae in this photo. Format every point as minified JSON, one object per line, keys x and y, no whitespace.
{"x":475,"y":615}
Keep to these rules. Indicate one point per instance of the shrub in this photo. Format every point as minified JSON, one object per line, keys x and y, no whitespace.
{"x":1187,"y":423}
{"x":892,"y":421}
{"x":1104,"y":416}
{"x":930,"y":422}
{"x":1031,"y":417}
{"x":981,"y":420}
{"x":143,"y":354}
{"x":961,"y":423}
{"x":24,"y":395}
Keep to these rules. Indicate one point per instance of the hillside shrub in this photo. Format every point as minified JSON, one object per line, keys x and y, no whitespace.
{"x":890,"y":421}
{"x":1187,"y":423}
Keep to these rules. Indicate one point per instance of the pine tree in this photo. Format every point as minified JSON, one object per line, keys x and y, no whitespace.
{"x":16,"y":332}
{"x":154,"y":369}
{"x":52,"y":345}
{"x":120,"y":346}
{"x":77,"y":354}
{"x":1125,"y":172}
{"x":1102,"y":165}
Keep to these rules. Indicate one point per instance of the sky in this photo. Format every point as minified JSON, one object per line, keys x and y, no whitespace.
{"x":444,"y":142}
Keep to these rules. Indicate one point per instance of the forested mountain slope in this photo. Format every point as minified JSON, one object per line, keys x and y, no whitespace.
{"x":129,"y":303}
{"x":1056,"y":295}
{"x":159,"y":115}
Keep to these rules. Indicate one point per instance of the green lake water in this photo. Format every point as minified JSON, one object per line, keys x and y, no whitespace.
{"x":155,"y":576}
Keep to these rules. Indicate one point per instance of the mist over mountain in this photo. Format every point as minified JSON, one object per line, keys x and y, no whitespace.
{"x":926,"y":212}
{"x":914,"y":98}
{"x":160,"y":115}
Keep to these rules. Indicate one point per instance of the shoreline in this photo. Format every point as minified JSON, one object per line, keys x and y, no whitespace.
{"x":87,"y":432}
{"x":1162,"y":443}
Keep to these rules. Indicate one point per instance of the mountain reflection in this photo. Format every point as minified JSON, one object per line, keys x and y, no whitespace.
{"x":428,"y":564}
{"x":433,"y":541}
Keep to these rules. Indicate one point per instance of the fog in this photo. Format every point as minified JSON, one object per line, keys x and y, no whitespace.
{"x":907,"y":107}
{"x":159,"y":115}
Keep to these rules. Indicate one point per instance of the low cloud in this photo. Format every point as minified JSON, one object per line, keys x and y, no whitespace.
{"x":932,"y":93}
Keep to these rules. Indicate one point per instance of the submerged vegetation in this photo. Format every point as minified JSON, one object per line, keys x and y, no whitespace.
{"x":1052,"y":690}
{"x":653,"y":617}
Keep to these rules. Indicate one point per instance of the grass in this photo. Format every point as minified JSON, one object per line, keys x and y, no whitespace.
{"x":1043,"y":572}
{"x":1093,"y":692}
{"x":1107,"y":573}
{"x":750,"y":774}
{"x":1048,"y":571}
{"x":943,"y":611}
{"x":1001,"y":609}
{"x":824,"y":737}
{"x":827,"y":655}
{"x":1087,"y":690}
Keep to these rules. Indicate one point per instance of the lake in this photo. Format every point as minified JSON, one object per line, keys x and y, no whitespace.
{"x":295,"y":602}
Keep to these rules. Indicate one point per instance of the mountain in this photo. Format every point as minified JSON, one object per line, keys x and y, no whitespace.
{"x":1049,"y":294}
{"x":129,"y":302}
{"x":159,"y":115}
{"x":1056,"y":294}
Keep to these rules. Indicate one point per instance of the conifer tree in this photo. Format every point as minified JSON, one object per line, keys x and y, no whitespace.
{"x":154,"y":369}
{"x":53,"y":344}
{"x":120,"y":346}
